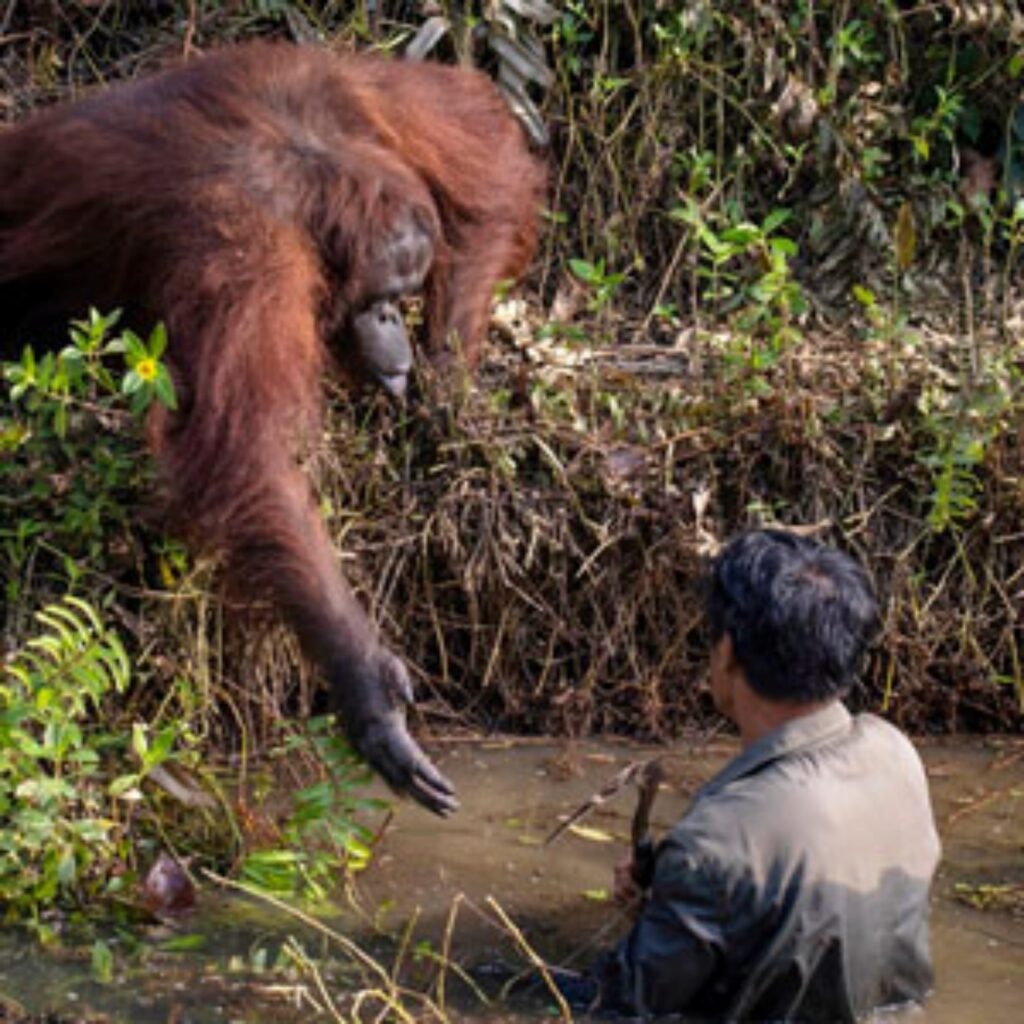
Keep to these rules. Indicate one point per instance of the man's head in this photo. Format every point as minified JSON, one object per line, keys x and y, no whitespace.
{"x":796,"y":616}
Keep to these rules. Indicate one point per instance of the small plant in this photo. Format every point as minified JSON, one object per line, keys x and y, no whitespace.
{"x":71,"y":775}
{"x":62,"y":831}
{"x":70,"y":468}
{"x":322,"y":835}
{"x":70,"y":454}
{"x":961,"y":425}
{"x":885,"y":323}
{"x":602,"y":284}
{"x":80,"y":375}
{"x":748,"y":273}
{"x":940,"y":124}
{"x":571,"y":37}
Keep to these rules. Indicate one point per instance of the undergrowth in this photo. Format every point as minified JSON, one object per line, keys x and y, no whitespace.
{"x":99,"y":767}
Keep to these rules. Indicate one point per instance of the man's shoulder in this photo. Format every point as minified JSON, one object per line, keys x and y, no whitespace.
{"x":873,"y":731}
{"x":799,"y":791}
{"x":874,"y":724}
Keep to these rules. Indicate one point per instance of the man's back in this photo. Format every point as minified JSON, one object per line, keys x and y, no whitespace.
{"x":799,"y":880}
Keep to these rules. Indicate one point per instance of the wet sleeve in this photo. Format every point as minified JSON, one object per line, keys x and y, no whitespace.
{"x":675,"y":945}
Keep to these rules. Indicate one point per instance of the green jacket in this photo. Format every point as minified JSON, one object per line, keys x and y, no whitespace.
{"x":796,"y":886}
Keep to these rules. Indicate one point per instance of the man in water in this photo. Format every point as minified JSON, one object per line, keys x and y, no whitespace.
{"x":796,"y":886}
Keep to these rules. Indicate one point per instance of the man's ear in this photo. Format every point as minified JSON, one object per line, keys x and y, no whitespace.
{"x":727,"y":653}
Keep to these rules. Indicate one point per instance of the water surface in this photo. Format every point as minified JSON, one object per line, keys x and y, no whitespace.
{"x":433,"y":881}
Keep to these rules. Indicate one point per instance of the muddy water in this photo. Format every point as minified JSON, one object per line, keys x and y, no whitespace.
{"x":441,"y":874}
{"x":513,"y":797}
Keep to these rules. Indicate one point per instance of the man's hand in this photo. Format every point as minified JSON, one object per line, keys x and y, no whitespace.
{"x":626,"y":891}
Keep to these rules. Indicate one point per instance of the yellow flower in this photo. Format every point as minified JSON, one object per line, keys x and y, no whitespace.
{"x":146,"y":369}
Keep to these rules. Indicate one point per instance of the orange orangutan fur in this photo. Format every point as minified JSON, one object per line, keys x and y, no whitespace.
{"x":240,"y":198}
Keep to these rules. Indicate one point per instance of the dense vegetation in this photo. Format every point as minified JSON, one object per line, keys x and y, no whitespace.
{"x":778,"y":285}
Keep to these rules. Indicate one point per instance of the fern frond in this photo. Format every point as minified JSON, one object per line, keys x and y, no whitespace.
{"x":75,"y":647}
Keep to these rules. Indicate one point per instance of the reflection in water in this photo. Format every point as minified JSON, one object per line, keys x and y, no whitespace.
{"x":513,"y":795}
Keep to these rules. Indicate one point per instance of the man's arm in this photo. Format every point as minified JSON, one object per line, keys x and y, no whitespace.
{"x":675,"y":945}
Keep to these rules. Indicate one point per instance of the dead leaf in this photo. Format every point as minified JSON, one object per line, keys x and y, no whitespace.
{"x":594,"y":835}
{"x":905,"y":238}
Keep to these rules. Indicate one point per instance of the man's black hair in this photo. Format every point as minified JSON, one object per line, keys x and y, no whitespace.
{"x":800,"y":614}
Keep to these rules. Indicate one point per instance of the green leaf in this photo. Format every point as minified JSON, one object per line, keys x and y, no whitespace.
{"x":140,"y":744}
{"x":67,"y":868}
{"x":117,"y":662}
{"x":164,"y":387}
{"x":865,"y":296}
{"x":275,"y":871}
{"x":141,"y":400}
{"x":102,"y":962}
{"x":785,"y":246}
{"x":586,"y":272}
{"x":94,"y":831}
{"x":719,"y":250}
{"x":775,"y":220}
{"x":123,"y":784}
{"x":50,"y":617}
{"x":160,"y":748}
{"x":183,"y":943}
{"x":134,"y":347}
{"x":86,"y":610}
{"x":741,"y":234}
{"x":157,"y":340}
